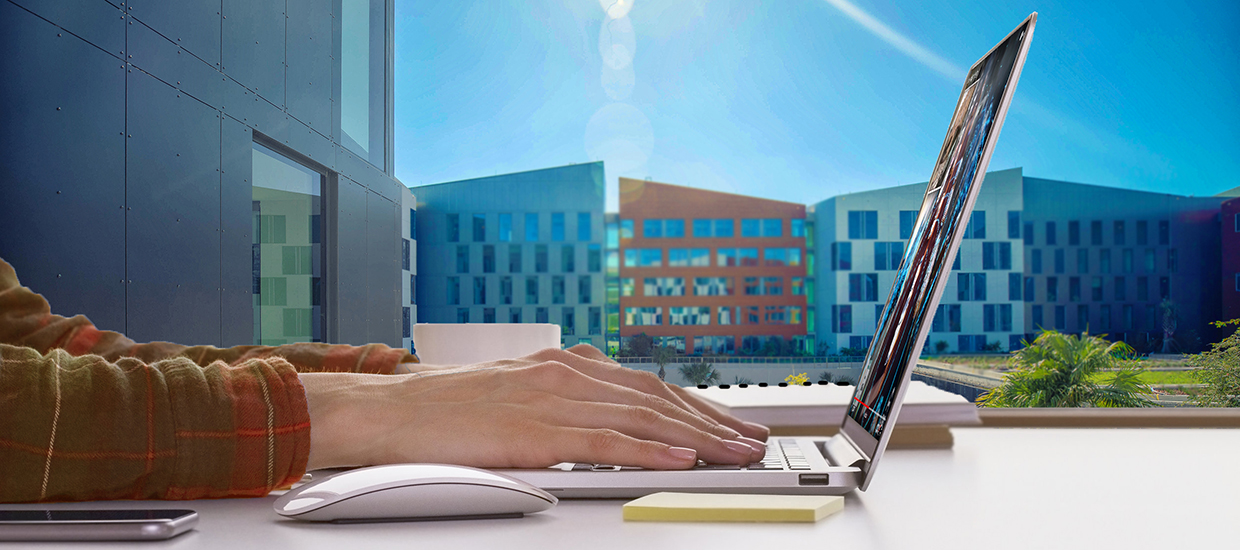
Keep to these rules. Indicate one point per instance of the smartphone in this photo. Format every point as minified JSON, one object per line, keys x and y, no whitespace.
{"x":82,"y":525}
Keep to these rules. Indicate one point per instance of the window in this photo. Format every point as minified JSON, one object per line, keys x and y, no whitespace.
{"x":1143,"y":288}
{"x":798,"y":286}
{"x":514,"y":258}
{"x":1013,"y":224}
{"x":1172,"y":260}
{"x":568,"y":322}
{"x":946,"y":318}
{"x":724,"y":228}
{"x":887,"y":256}
{"x":480,"y":227}
{"x":1060,"y":315}
{"x":841,"y":319}
{"x":1143,"y":232}
{"x":1120,"y":289}
{"x":1095,"y":289}
{"x":488,"y":258}
{"x":713,"y":286}
{"x":1151,"y":317}
{"x":841,"y":256}
{"x":362,"y":100}
{"x":678,"y":257}
{"x":1028,"y":233}
{"x":480,"y":291}
{"x":726,"y":317}
{"x":1035,"y":260}
{"x":778,"y":256}
{"x":462,"y":258}
{"x":753,"y":286}
{"x":798,"y":227}
{"x":1118,"y":232}
{"x":1127,"y":313}
{"x":726,"y":257}
{"x":863,"y":287}
{"x":1035,"y":314}
{"x":1074,"y":233}
{"x":772,"y":227}
{"x":1082,"y":317}
{"x":585,"y":289}
{"x":1164,"y":230}
{"x":540,"y":258}
{"x":594,"y":258}
{"x":1104,"y":261}
{"x":1052,"y":289}
{"x":863,"y":224}
{"x":701,"y":228}
{"x":462,"y":315}
{"x":1014,"y":287}
{"x":413,"y":224}
{"x":664,"y":286}
{"x":626,"y":229}
{"x":699,"y":257}
{"x":505,"y":227}
{"x":1059,"y":268}
{"x":406,"y":323}
{"x":454,"y":291}
{"x":908,"y":218}
{"x":1050,"y":233}
{"x":643,"y":316}
{"x":627,"y":286}
{"x":568,"y":258}
{"x":1095,"y":233}
{"x":997,"y":255}
{"x":531,"y":290}
{"x":542,"y":315}
{"x":488,"y":315}
{"x":773,"y":286}
{"x":976,"y":228}
{"x":775,"y":315}
{"x":557,"y":289}
{"x":751,"y":227}
{"x":595,"y":321}
{"x":971,"y":287}
{"x":1074,"y":289}
{"x":989,"y":318}
{"x":1164,"y":288}
{"x":531,"y":227}
{"x":404,"y":254}
{"x":748,"y":257}
{"x":505,"y":290}
{"x":1127,"y":260}
{"x":1005,"y":317}
{"x":557,"y":226}
{"x":1104,"y":317}
{"x":454,"y":228}
{"x":413,"y":289}
{"x":1082,"y":260}
{"x":689,"y":315}
{"x":583,"y":226}
{"x":1151,"y":261}
{"x":674,"y":229}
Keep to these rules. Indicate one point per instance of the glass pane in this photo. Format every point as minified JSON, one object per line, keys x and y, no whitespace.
{"x":362,"y":66}
{"x":288,"y":250}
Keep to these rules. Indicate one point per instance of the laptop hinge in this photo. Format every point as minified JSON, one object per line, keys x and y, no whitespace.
{"x":841,"y":452}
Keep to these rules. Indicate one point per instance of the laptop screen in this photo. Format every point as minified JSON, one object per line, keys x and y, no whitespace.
{"x":926,"y":263}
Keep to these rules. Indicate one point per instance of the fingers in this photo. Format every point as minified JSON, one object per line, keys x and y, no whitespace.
{"x":600,"y":445}
{"x":747,"y":429}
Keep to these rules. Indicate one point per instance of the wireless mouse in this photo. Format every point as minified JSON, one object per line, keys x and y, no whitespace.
{"x":412,"y":492}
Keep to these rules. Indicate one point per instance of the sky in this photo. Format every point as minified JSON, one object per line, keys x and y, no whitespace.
{"x":802,"y":100}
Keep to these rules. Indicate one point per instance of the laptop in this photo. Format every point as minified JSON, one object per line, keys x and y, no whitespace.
{"x":846,"y":461}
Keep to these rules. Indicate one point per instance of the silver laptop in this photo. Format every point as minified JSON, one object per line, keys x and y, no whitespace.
{"x":839,"y":464}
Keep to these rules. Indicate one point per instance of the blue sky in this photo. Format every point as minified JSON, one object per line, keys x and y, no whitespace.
{"x":801,"y":100}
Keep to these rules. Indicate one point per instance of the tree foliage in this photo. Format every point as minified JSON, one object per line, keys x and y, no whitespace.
{"x":662,"y":356}
{"x":1219,"y":369}
{"x":699,"y":373}
{"x":638,"y":346}
{"x":1057,"y":370}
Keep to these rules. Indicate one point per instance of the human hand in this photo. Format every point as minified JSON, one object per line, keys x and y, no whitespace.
{"x":549,"y":407}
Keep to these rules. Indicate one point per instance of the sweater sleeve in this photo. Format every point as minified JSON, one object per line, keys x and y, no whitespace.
{"x":26,"y":319}
{"x":86,"y":428}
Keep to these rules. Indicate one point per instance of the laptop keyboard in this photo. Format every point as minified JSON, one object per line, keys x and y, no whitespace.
{"x":781,"y":454}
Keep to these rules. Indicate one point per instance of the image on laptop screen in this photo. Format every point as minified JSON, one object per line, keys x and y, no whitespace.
{"x":899,"y":336}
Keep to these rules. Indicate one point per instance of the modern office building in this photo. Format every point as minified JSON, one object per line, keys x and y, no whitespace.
{"x":204,"y":172}
{"x":515,"y":248}
{"x":409,"y":269}
{"x":1230,"y":253}
{"x":1036,"y":254}
{"x":710,"y":272}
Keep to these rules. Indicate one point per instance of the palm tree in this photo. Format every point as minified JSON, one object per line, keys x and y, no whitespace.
{"x":663,"y":355}
{"x":699,"y":373}
{"x":1059,"y":370}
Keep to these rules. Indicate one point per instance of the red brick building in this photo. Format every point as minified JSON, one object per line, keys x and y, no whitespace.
{"x":710,"y":272}
{"x":1230,"y":241}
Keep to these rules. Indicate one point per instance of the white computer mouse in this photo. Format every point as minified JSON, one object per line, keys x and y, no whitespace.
{"x":407,"y":492}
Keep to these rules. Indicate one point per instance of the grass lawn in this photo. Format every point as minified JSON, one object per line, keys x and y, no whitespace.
{"x":1156,"y":377}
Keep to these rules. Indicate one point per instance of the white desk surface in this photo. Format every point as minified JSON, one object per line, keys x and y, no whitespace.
{"x":998,"y":488}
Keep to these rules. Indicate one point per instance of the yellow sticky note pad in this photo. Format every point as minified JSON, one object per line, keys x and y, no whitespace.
{"x":730,"y":507}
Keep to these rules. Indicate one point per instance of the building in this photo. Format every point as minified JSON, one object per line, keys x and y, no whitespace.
{"x":712,"y":273}
{"x":227,"y":170}
{"x":409,"y":269}
{"x":515,"y":248}
{"x":1037,"y":254}
{"x":1230,"y":241}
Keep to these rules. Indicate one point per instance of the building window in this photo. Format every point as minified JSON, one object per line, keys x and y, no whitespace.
{"x":462,"y":315}
{"x":1059,"y":267}
{"x":773,"y":286}
{"x":862,"y":224}
{"x":989,"y":318}
{"x":594,"y":258}
{"x":505,"y":227}
{"x":1028,"y":233}
{"x":1052,"y":289}
{"x":1095,"y":289}
{"x":1014,"y":287}
{"x":775,"y":315}
{"x":753,"y":286}
{"x":462,"y":258}
{"x":1074,"y":233}
{"x":1074,"y":289}
{"x":971,"y":287}
{"x":689,"y":315}
{"x":946,"y":318}
{"x":664,"y":286}
{"x":454,"y":291}
{"x":557,"y":226}
{"x":413,"y":289}
{"x":976,"y":228}
{"x":1029,"y":290}
{"x":1164,"y":230}
{"x":1164,"y":288}
{"x":713,"y":286}
{"x":361,"y":79}
{"x":505,"y":290}
{"x":1095,"y":233}
{"x":1104,"y":317}
{"x":406,"y":325}
{"x":1104,"y":261}
{"x":1127,"y":260}
{"x":863,"y":287}
{"x":568,"y":258}
{"x":595,"y":321}
{"x":404,"y":254}
{"x":1035,"y":261}
{"x":627,"y":286}
{"x":1151,"y":261}
{"x":841,"y":319}
{"x":701,"y":228}
{"x":725,"y":228}
{"x":583,"y":226}
{"x":643,"y":316}
{"x":514,"y":258}
{"x":480,"y":227}
{"x":652,"y":229}
{"x":531,"y":227}
{"x":542,"y":315}
{"x":798,"y":286}
{"x":779,"y":257}
{"x":751,"y":228}
{"x":1082,"y":317}
{"x":1172,"y":260}
{"x":908,"y":218}
{"x":1060,"y":315}
{"x":1143,"y":288}
{"x":841,"y":256}
{"x":454,"y":228}
{"x":1127,"y":313}
{"x":1120,"y":289}
{"x":1082,"y":260}
{"x":531,"y":290}
{"x":488,"y":258}
{"x":674,"y":229}
{"x":540,"y":258}
{"x":1013,"y":224}
{"x":557,"y":289}
{"x":1051,"y":238}
{"x":1035,"y":315}
{"x":798,"y":227}
{"x":1143,"y":232}
{"x":887,"y":256}
{"x":997,"y":255}
{"x":772,"y":227}
{"x":643,"y":257}
{"x":568,"y":322}
{"x":480,"y":291}
{"x":413,"y":224}
{"x":1118,"y":232}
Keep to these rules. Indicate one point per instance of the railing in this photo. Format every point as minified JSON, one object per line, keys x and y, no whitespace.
{"x":734,"y":360}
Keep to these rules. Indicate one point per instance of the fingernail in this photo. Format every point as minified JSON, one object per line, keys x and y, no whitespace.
{"x":758,"y":446}
{"x":682,"y":453}
{"x":738,"y":446}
